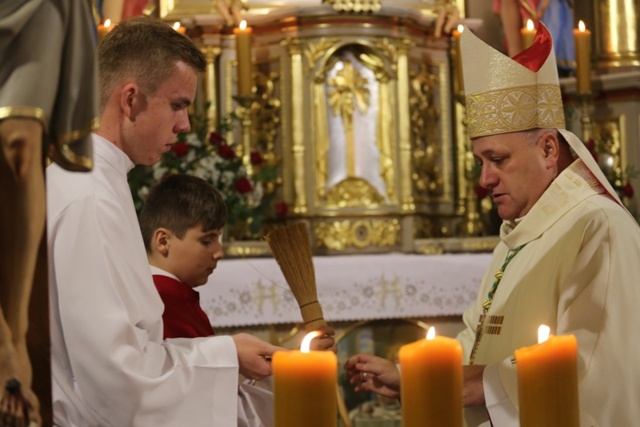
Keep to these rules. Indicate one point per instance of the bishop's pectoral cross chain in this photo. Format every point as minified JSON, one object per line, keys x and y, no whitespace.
{"x":487,"y":302}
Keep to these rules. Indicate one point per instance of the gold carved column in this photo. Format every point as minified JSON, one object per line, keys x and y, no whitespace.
{"x":299,"y":197}
{"x":210,"y":84}
{"x":404,"y":129}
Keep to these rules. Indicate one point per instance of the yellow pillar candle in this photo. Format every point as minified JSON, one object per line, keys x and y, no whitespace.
{"x":431,"y":382}
{"x":528,"y":33}
{"x":582,"y":38}
{"x":548,"y":381}
{"x":459,"y":79}
{"x":243,"y":57}
{"x":304,"y":387}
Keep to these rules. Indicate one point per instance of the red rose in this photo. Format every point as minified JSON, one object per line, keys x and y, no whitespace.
{"x":180,"y":149}
{"x":256,"y":158}
{"x":226,"y":152}
{"x":216,"y":138}
{"x":282,"y":209}
{"x":243,"y":185}
{"x":481,"y":192}
{"x":627,"y":190}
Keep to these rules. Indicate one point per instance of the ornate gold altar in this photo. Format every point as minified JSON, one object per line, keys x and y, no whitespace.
{"x":355,"y":105}
{"x":355,"y":109}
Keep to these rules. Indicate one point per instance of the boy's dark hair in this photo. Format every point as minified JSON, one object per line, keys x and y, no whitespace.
{"x":179,"y":202}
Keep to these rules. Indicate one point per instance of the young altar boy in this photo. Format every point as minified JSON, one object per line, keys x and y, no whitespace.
{"x":181,"y":221}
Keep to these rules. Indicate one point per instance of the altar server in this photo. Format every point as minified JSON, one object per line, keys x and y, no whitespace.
{"x":568,"y":249}
{"x":111,"y":366}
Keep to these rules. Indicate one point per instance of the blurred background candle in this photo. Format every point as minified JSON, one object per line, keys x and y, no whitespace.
{"x":179,"y":28}
{"x":582,"y":38}
{"x":459,"y":80}
{"x":304,"y":386}
{"x":243,"y":56}
{"x":528,"y":33}
{"x":548,"y":381}
{"x":103,"y":29}
{"x":431,"y":382}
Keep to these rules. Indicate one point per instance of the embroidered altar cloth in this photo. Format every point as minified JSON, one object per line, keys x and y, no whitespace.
{"x":253,"y":291}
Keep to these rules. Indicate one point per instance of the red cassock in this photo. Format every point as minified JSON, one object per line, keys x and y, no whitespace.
{"x":183,"y":317}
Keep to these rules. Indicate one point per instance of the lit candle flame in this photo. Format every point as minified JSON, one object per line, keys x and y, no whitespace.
{"x":107,"y":23}
{"x":543,"y":333}
{"x":460,"y":28}
{"x":243,"y":25}
{"x":530,"y":25}
{"x":176,"y":25}
{"x":431,"y":333}
{"x":581,"y":26}
{"x":306,"y":341}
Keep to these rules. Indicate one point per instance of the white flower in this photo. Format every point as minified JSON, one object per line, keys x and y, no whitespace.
{"x":159,"y":171}
{"x":143,"y":192}
{"x":227,"y":177}
{"x":192,"y":139}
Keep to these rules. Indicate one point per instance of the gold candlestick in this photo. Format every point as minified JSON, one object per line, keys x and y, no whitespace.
{"x":472,"y":224}
{"x":456,"y":58}
{"x":243,"y":111}
{"x":585,"y":119}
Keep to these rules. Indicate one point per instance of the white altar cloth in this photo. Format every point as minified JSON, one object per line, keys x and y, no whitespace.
{"x":253,"y":291}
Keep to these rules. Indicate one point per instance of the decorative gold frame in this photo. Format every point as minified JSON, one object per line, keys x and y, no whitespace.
{"x":179,"y":9}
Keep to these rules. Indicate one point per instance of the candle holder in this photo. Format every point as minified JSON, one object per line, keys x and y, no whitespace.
{"x":243,"y":111}
{"x":472,"y":224}
{"x":585,"y":100}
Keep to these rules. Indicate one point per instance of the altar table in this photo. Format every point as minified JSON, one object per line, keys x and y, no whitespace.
{"x":253,"y":291}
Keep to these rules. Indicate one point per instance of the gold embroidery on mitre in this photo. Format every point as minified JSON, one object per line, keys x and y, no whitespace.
{"x":514,"y":109}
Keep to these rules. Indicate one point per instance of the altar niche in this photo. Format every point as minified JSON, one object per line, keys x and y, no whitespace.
{"x":356,"y":113}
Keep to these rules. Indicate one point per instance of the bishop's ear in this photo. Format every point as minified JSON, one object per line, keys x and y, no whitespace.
{"x":551,"y":147}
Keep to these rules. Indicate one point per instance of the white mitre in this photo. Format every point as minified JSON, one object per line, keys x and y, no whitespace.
{"x":503,"y":95}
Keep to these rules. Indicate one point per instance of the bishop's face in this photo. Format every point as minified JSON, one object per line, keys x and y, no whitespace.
{"x":515,"y":171}
{"x":155,"y":121}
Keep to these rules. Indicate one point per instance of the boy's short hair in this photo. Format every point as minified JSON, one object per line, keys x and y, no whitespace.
{"x":179,"y":202}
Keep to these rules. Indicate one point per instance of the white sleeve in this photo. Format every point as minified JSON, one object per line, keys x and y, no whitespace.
{"x":107,"y":332}
{"x":255,"y":404}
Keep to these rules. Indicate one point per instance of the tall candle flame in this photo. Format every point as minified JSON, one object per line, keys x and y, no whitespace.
{"x":581,"y":26}
{"x":243,"y":25}
{"x":431,"y":333}
{"x":530,"y":25}
{"x":306,"y":341}
{"x":460,"y":28}
{"x":107,"y":23}
{"x":543,"y":333}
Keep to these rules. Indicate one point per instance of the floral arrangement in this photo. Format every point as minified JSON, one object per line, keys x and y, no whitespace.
{"x":209,"y":155}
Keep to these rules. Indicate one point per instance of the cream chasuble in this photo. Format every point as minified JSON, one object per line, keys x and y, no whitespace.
{"x":578,"y":273}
